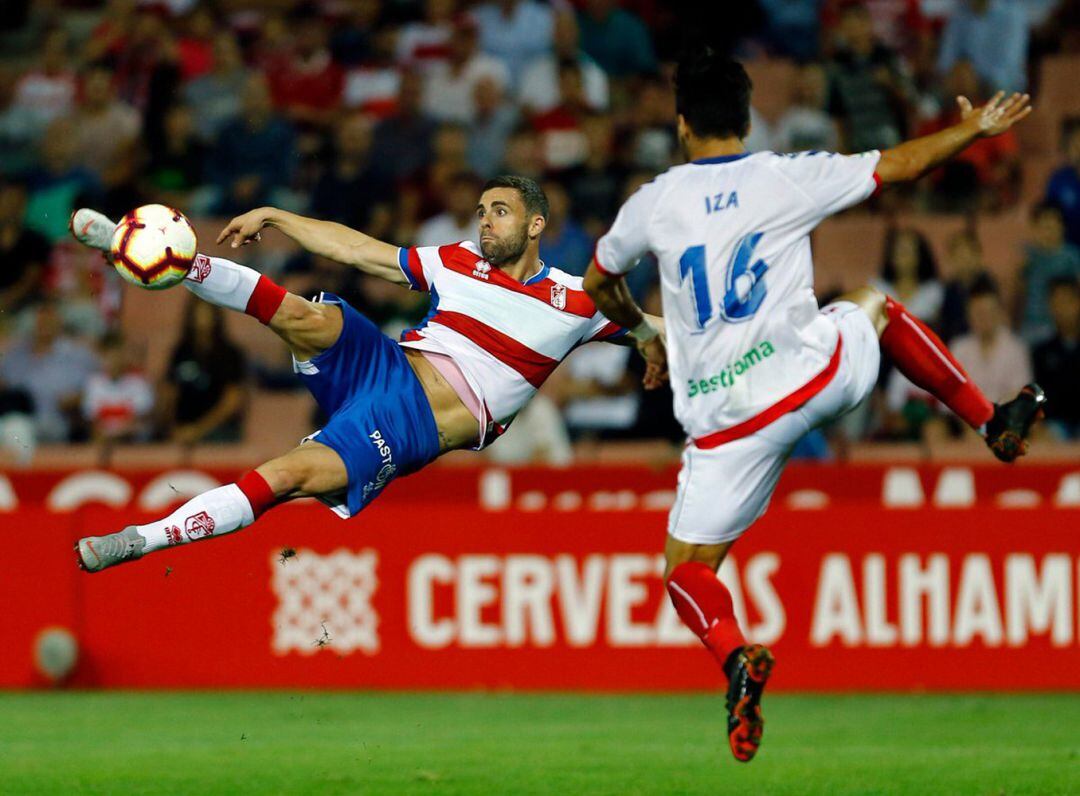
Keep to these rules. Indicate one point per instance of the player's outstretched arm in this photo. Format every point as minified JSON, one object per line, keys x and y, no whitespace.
{"x":913,"y":159}
{"x":613,"y":299}
{"x":325,"y":238}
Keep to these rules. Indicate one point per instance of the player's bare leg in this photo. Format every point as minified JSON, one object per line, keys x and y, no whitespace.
{"x":921,"y":356}
{"x":704,"y":605}
{"x":307,"y":471}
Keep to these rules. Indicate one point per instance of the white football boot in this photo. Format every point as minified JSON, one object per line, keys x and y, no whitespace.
{"x":95,"y":553}
{"x":91,"y":228}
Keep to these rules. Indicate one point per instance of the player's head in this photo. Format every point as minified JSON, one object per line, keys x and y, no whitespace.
{"x":512,"y":213}
{"x":712,"y":97}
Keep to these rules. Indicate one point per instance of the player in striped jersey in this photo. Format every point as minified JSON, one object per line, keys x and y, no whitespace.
{"x":500,"y":322}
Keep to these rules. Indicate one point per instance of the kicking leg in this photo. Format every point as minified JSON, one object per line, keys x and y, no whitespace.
{"x":704,"y":605}
{"x":921,"y":356}
{"x":307,"y":327}
{"x":310,"y":470}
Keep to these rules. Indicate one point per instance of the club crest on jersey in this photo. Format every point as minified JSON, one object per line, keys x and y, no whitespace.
{"x":558,"y":297}
{"x":200,"y":269}
{"x":198,"y":525}
{"x":481,"y":269}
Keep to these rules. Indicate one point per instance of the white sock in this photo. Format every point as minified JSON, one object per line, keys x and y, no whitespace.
{"x":222,"y":282}
{"x":214,"y":513}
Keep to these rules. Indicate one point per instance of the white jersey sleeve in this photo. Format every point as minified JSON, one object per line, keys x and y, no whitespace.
{"x":421,"y":266}
{"x":619,"y":250}
{"x":831,"y":182}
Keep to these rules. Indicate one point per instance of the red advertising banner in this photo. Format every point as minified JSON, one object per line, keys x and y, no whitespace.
{"x":445,"y":594}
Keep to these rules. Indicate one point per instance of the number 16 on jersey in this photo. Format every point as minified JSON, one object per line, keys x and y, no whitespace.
{"x":744,"y":285}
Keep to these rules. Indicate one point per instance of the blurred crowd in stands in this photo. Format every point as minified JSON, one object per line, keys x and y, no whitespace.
{"x":388,"y":115}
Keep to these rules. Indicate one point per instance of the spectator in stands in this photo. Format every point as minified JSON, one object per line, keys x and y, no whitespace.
{"x":58,"y":185}
{"x":597,"y":393}
{"x":428,"y":41}
{"x":374,"y":84}
{"x":118,"y":400}
{"x":595,"y":186}
{"x":449,"y":148}
{"x":148,"y":69}
{"x":177,"y":166}
{"x":352,"y":40}
{"x":986,"y":175}
{"x":793,"y":29}
{"x":353,"y":183}
{"x":403,"y":141}
{"x":18,"y":437}
{"x":1063,"y":190}
{"x":515,"y":31}
{"x":868,"y":91}
{"x":105,"y":128}
{"x":195,"y":46}
{"x":203,"y":392}
{"x":53,"y":369}
{"x":616,"y":39}
{"x":805,"y":125}
{"x":995,"y":358}
{"x":254,"y":155}
{"x":653,"y":142}
{"x":18,"y":135}
{"x":964,"y":268}
{"x":539,"y":90}
{"x":909,"y":273}
{"x":1047,"y":255}
{"x":458,"y":221}
{"x":561,"y":138}
{"x":1057,"y":360}
{"x":524,"y":155}
{"x":993,"y":35}
{"x":449,"y":84}
{"x":216,"y":95}
{"x":493,"y":122}
{"x":47,"y":91}
{"x":565,"y":244}
{"x":24,"y":253}
{"x":305,"y":82}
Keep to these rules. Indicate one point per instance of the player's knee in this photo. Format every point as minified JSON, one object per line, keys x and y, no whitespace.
{"x":872,"y":302}
{"x":283,"y":477}
{"x":297,"y":314}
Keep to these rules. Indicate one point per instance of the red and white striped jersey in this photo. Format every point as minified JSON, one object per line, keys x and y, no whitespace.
{"x":506,"y":336}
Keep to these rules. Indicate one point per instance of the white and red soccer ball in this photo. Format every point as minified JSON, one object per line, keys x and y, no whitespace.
{"x":153,"y":247}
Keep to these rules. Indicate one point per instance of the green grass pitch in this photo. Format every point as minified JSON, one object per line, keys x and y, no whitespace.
{"x":329,"y":743}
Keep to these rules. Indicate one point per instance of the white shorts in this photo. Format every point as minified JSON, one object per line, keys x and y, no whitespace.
{"x":723,"y":490}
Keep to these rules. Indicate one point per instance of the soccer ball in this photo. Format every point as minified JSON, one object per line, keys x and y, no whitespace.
{"x":153,"y":247}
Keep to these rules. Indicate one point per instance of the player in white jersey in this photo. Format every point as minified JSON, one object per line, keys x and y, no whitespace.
{"x":500,"y":321}
{"x":754,"y":364}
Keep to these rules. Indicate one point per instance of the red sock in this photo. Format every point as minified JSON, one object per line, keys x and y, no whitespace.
{"x":704,"y":605}
{"x":257,"y":491}
{"x":265,"y":299}
{"x":921,"y":356}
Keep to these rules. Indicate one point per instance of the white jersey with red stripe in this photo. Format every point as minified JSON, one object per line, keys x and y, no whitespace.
{"x":506,"y":336}
{"x":746,"y":342}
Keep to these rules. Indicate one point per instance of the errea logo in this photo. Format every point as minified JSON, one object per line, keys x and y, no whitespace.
{"x":482,"y":269}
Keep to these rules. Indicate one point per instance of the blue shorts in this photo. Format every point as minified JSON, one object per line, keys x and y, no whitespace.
{"x":381,"y":423}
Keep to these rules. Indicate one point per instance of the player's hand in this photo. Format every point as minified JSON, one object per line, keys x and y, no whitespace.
{"x":996,"y":116}
{"x":245,"y":229}
{"x":656,"y":369}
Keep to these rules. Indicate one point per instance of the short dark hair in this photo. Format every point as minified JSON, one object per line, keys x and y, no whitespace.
{"x":1042,"y":208}
{"x":536,"y":201}
{"x":1063,"y":282}
{"x":712,"y":93}
{"x":984,"y":285}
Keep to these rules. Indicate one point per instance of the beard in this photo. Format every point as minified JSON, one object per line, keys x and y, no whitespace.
{"x":504,"y":250}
